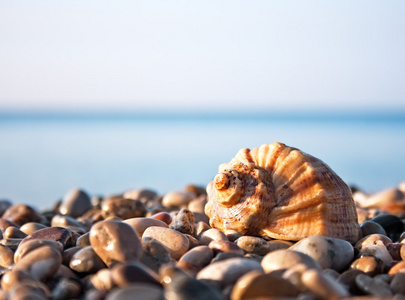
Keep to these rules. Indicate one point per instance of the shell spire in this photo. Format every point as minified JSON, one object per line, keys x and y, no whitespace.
{"x":283,"y":193}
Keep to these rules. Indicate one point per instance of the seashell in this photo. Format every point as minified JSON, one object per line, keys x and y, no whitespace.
{"x":283,"y":193}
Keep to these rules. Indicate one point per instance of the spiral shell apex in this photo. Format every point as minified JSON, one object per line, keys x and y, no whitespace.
{"x":283,"y":193}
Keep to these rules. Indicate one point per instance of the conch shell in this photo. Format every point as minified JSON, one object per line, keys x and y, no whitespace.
{"x":283,"y":193}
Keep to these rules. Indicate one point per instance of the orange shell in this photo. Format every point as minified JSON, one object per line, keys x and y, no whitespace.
{"x":283,"y":193}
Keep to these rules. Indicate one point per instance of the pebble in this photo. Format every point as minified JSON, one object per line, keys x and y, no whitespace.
{"x":6,"y":256}
{"x":370,"y":227}
{"x":11,"y":243}
{"x":58,"y":234}
{"x":177,"y":199}
{"x":285,"y":259}
{"x":115,"y":241}
{"x":347,"y":279}
{"x":372,"y":239}
{"x":155,"y":255}
{"x":102,"y":280}
{"x":183,"y":222}
{"x":163,"y":216}
{"x":136,"y":291}
{"x":67,"y":288}
{"x":398,"y":267}
{"x":175,"y":242}
{"x":372,"y":287}
{"x":83,"y":240}
{"x":228,"y":271}
{"x":329,"y":252}
{"x":368,"y":264}
{"x":122,"y":208}
{"x":278,"y":244}
{"x":31,"y":227}
{"x":29,"y":290}
{"x":210,"y":235}
{"x":21,"y":214}
{"x":255,"y":284}
{"x":392,"y":224}
{"x":323,"y":286}
{"x":197,"y":205}
{"x":254,"y":245}
{"x":86,"y":261}
{"x":67,"y":221}
{"x":397,"y":284}
{"x":6,"y":223}
{"x":196,"y":259}
{"x":4,"y":205}
{"x":68,"y":254}
{"x":378,"y":250}
{"x":145,"y":195}
{"x":140,"y":224}
{"x":25,"y":248}
{"x":13,"y":277}
{"x":41,"y":263}
{"x":13,"y":232}
{"x":225,"y":246}
{"x":133,"y":272}
{"x":75,"y":203}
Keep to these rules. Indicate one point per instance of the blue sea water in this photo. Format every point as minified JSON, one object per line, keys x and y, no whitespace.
{"x":42,"y":156}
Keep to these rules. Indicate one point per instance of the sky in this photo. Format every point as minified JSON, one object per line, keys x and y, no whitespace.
{"x":202,"y":55}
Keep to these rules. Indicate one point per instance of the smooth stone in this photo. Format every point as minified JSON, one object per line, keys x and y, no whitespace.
{"x":58,"y":234}
{"x":175,"y":242}
{"x":6,"y":256}
{"x":148,"y":197}
{"x":231,"y":235}
{"x":252,"y":244}
{"x":372,"y":287}
{"x":4,"y":224}
{"x":41,"y":263}
{"x":196,"y":190}
{"x":256,"y":284}
{"x":86,"y":261}
{"x":329,"y":252}
{"x":378,"y":250}
{"x":183,"y":222}
{"x":210,"y":235}
{"x":29,"y":290}
{"x":197,"y":205}
{"x":398,"y":267}
{"x":13,"y":277}
{"x":177,"y":199}
{"x":13,"y":232}
{"x":392,"y":224}
{"x":322,"y":285}
{"x":136,"y":291}
{"x":278,"y":244}
{"x":68,"y":254}
{"x":115,"y":241}
{"x":397,"y":284}
{"x":196,"y":259}
{"x":285,"y":259}
{"x":347,"y":279}
{"x":372,"y":239}
{"x":293,"y":275}
{"x":140,"y":224}
{"x":133,"y":272}
{"x":67,"y":288}
{"x":25,"y":248}
{"x":122,"y":208}
{"x":75,"y":203}
{"x":225,"y":246}
{"x":163,"y":216}
{"x":21,"y":214}
{"x":83,"y":240}
{"x":394,"y":249}
{"x":31,"y":227}
{"x":368,"y":264}
{"x":11,"y":243}
{"x":155,"y":255}
{"x":203,"y":226}
{"x":66,"y":221}
{"x":180,"y":286}
{"x":225,"y":255}
{"x":370,"y":227}
{"x":228,"y":271}
{"x":102,"y":280}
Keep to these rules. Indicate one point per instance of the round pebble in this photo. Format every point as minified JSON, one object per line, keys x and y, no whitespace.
{"x":183,"y":221}
{"x":368,"y":264}
{"x":177,"y":199}
{"x":163,"y":216}
{"x":136,"y":291}
{"x":115,"y":241}
{"x":225,"y":246}
{"x":122,"y":208}
{"x":75,"y":203}
{"x":155,"y":255}
{"x":21,"y":214}
{"x":372,"y":287}
{"x":25,"y":248}
{"x":58,"y":234}
{"x":133,"y":272}
{"x":86,"y":261}
{"x":196,"y":259}
{"x":254,"y":245}
{"x":140,"y":224}
{"x":210,"y":235}
{"x":323,"y":286}
{"x":285,"y":259}
{"x":31,"y":227}
{"x":6,"y":256}
{"x":370,"y":227}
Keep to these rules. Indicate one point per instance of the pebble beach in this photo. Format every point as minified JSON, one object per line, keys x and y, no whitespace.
{"x":142,"y":245}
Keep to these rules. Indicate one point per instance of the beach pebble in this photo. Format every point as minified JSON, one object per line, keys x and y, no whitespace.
{"x":11,"y":243}
{"x":177,"y":199}
{"x":231,"y":235}
{"x":140,"y":224}
{"x":253,"y":244}
{"x":66,"y":221}
{"x":4,"y":224}
{"x":372,"y":287}
{"x":398,"y":267}
{"x":86,"y":261}
{"x":21,"y":214}
{"x":14,"y":277}
{"x":31,"y":227}
{"x":278,"y":244}
{"x":394,"y":249}
{"x":372,"y":240}
{"x":196,"y":259}
{"x":58,"y":234}
{"x":67,"y":254}
{"x":329,"y":252}
{"x":370,"y":227}
{"x":6,"y":256}
{"x":25,"y":248}
{"x":210,"y":235}
{"x":323,"y":286}
{"x":347,"y":279}
{"x":285,"y":259}
{"x":115,"y":241}
{"x":256,"y":284}
{"x":175,"y":242}
{"x":67,"y":288}
{"x":83,"y":240}
{"x":141,"y":291}
{"x":203,"y":226}
{"x":163,"y":216}
{"x":29,"y":290}
{"x":397,"y":284}
{"x":146,"y":196}
{"x":180,"y":286}
{"x":102,"y":280}
{"x":154,"y":255}
{"x":183,"y":221}
{"x":41,"y":263}
{"x":378,"y":250}
{"x":133,"y":272}
{"x":225,"y":246}
{"x":122,"y":208}
{"x":197,"y":205}
{"x":228,"y":271}
{"x":392,"y":224}
{"x":13,"y":232}
{"x":75,"y":203}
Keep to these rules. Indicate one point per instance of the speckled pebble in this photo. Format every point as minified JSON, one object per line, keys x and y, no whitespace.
{"x":183,"y":221}
{"x":253,"y":244}
{"x":155,"y":255}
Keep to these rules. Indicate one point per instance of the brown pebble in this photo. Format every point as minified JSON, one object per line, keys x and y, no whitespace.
{"x":31,"y":227}
{"x":102,"y":280}
{"x":394,"y":249}
{"x":368,"y":264}
{"x":13,"y":232}
{"x":212,"y":234}
{"x":140,"y":224}
{"x":13,"y":277}
{"x":6,"y":256}
{"x":177,"y":199}
{"x":4,"y":224}
{"x":398,"y":267}
{"x":175,"y":242}
{"x":163,"y":216}
{"x":183,"y":222}
{"x":68,"y":254}
{"x":278,"y":244}
{"x":285,"y":259}
{"x":75,"y":203}
{"x":196,"y":259}
{"x":225,"y":246}
{"x":322,"y":285}
{"x":67,"y":288}
{"x":115,"y":241}
{"x":67,"y":221}
{"x":253,"y":244}
{"x":133,"y":272}
{"x":29,"y":290}
{"x":200,"y":228}
{"x":372,"y":287}
{"x":58,"y":234}
{"x":397,"y":284}
{"x":21,"y":214}
{"x":122,"y":208}
{"x":372,"y":239}
{"x":25,"y":248}
{"x":155,"y":255}
{"x":86,"y":261}
{"x":197,"y":205}
{"x":256,"y":284}
{"x":193,"y":242}
{"x":83,"y":240}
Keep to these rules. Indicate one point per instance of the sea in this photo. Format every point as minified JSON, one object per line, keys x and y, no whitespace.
{"x":43,"y":155}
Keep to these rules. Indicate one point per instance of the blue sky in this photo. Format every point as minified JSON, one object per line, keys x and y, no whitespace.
{"x":203,"y":55}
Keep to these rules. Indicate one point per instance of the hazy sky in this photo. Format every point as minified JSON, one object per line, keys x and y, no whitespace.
{"x":202,"y":54}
